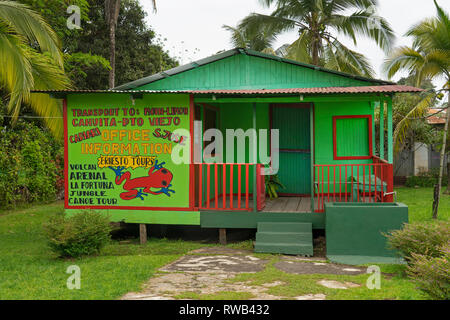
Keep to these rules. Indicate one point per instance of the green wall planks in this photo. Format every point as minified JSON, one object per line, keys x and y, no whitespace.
{"x":249,"y":72}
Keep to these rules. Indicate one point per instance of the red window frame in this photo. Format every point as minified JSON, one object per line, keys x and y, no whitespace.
{"x":369,"y":124}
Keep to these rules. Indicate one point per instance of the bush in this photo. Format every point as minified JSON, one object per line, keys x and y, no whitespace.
{"x":432,"y":274}
{"x":425,"y":179}
{"x":30,"y":169}
{"x":83,"y":233}
{"x":421,"y":239}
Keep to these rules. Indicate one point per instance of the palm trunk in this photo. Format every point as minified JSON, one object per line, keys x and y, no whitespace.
{"x":315,"y":53}
{"x":441,"y":164}
{"x":112,"y":8}
{"x":112,"y":55}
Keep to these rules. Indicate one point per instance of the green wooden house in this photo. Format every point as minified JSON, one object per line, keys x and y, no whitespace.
{"x":120,"y":145}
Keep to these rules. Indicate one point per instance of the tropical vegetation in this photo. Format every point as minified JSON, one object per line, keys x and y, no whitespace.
{"x":320,"y":26}
{"x":427,"y":58}
{"x":34,"y":62}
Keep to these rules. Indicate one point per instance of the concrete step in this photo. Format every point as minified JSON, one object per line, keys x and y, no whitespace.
{"x":284,"y":248}
{"x":284,"y":227}
{"x":284,"y":237}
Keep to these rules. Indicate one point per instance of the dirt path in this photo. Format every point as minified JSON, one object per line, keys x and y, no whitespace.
{"x":207,"y":271}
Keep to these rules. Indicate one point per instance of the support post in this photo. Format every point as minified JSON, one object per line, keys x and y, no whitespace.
{"x":382,"y":130}
{"x":223,"y":236}
{"x":311,"y":137}
{"x":389,"y":130}
{"x":142,"y":233}
{"x":374,"y":105}
{"x":255,"y":159}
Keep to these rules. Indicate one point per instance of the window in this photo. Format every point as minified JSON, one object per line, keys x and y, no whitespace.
{"x":352,"y":137}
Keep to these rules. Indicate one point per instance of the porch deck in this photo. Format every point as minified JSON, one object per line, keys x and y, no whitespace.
{"x":288,"y":204}
{"x":278,"y":205}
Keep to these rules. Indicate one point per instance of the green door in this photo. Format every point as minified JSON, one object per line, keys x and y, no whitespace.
{"x":293,"y":121}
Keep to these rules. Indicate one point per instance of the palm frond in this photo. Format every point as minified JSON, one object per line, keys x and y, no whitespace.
{"x":402,"y":128}
{"x":32,"y":26}
{"x":16,"y":75}
{"x":238,"y":38}
{"x":339,"y":57}
{"x":365,"y":23}
{"x":437,"y":63}
{"x":255,"y":21}
{"x":298,"y":50}
{"x":47,"y":77}
{"x":403,"y":58}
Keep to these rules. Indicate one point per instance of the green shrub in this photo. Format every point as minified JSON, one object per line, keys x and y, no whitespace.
{"x":83,"y":233}
{"x":420,"y":239}
{"x":432,"y":275}
{"x":30,"y":169}
{"x":425,"y":179}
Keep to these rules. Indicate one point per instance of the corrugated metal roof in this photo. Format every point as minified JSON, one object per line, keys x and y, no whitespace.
{"x":436,"y":116}
{"x":291,"y":91}
{"x":325,"y":90}
{"x":229,"y":53}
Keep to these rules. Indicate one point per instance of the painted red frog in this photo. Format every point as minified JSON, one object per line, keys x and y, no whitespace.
{"x":158,"y":177}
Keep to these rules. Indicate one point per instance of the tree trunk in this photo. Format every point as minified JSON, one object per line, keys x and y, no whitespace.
{"x":112,"y":8}
{"x":441,"y":163}
{"x":112,"y":54}
{"x":448,"y":177}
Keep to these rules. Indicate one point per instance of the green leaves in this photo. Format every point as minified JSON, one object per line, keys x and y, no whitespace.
{"x":426,"y":59}
{"x":339,"y":57}
{"x":429,"y":56}
{"x":259,"y":40}
{"x":402,"y":128}
{"x":31,"y":26}
{"x":319,"y":23}
{"x":32,"y":60}
{"x":273,"y":183}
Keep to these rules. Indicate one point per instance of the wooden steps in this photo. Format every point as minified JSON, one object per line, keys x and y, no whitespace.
{"x":284,"y":237}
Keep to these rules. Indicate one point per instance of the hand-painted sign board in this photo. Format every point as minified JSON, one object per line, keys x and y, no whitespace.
{"x":119,"y":151}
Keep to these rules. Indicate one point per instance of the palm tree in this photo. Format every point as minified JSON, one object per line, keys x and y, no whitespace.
{"x":427,"y":58}
{"x":262,"y":41}
{"x":318,"y":23}
{"x":31,"y":60}
{"x":112,"y":9}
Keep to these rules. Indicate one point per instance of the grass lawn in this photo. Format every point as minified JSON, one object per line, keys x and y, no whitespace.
{"x":29,"y":270}
{"x":392,"y":287}
{"x":420,"y":201}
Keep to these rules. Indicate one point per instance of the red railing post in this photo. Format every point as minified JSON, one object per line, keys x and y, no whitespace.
{"x":208,"y":186}
{"x":390,"y":182}
{"x":260,"y":188}
{"x":216,"y":189}
{"x":224,"y":191}
{"x":231,"y":186}
{"x":200,"y":184}
{"x":239,"y":186}
{"x":246,"y":186}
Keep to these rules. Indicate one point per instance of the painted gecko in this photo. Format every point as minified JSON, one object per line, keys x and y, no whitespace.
{"x":158,"y":177}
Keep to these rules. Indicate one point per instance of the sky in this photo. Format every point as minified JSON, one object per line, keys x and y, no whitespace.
{"x":192,"y":30}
